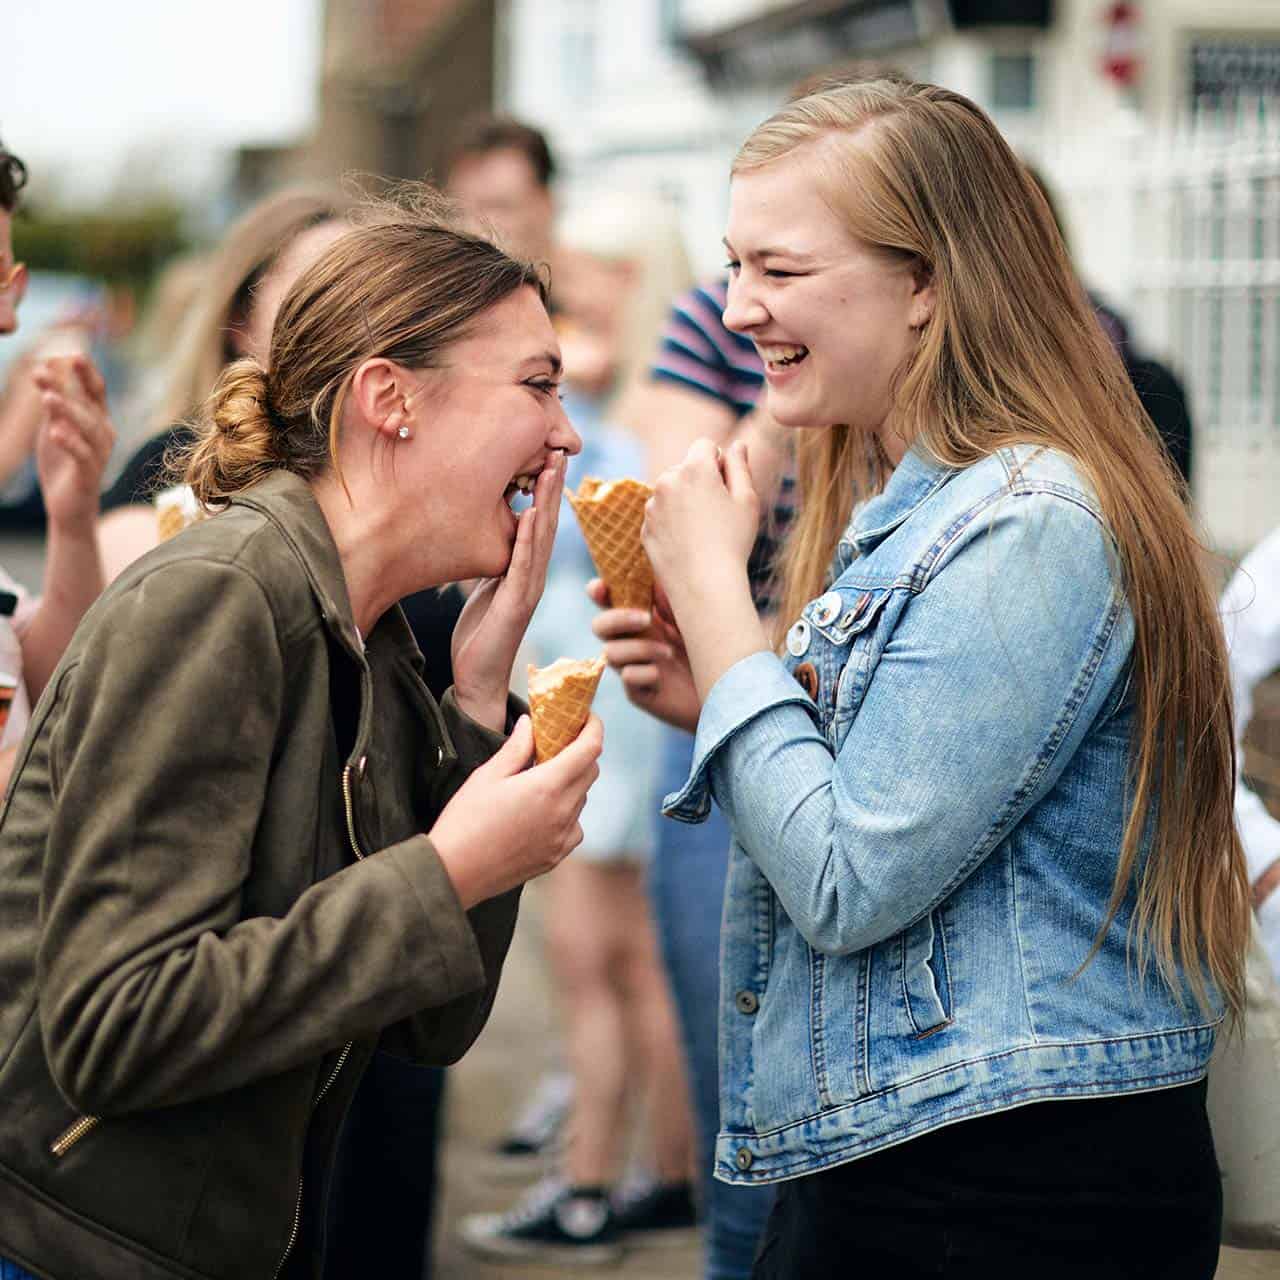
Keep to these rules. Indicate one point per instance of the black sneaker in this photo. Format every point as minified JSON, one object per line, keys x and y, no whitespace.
{"x":536,"y":1136}
{"x":554,"y":1223}
{"x":656,"y":1215}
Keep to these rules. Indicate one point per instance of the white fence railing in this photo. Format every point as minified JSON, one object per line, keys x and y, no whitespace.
{"x":1180,"y":230}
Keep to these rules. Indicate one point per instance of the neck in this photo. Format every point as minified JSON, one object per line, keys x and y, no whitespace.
{"x":893,"y":445}
{"x":365,"y":535}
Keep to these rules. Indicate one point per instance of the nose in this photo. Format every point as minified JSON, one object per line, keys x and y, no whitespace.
{"x":743,"y":311}
{"x":562,"y":435}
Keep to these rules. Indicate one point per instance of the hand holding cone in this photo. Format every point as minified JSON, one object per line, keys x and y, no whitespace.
{"x":560,"y":701}
{"x":611,"y":514}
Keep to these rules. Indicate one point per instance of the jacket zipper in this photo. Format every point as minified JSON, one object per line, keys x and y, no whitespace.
{"x":65,"y":1141}
{"x":346,"y":1050}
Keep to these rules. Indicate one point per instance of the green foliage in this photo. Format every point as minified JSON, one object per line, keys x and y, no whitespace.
{"x":123,"y":248}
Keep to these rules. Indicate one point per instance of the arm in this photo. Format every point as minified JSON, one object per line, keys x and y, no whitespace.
{"x":125,"y":534}
{"x":984,"y":690}
{"x":154,"y":987}
{"x":1251,"y":618}
{"x":74,"y":442}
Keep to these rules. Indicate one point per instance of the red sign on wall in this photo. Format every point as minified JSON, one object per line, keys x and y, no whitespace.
{"x":1121,"y":49}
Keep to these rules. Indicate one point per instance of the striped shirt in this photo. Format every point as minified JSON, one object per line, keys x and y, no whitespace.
{"x":698,"y":352}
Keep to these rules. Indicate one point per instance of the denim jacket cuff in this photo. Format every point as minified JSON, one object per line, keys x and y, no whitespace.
{"x":748,"y":688}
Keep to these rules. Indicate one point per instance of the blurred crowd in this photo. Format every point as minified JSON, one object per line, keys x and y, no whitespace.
{"x":91,"y":420}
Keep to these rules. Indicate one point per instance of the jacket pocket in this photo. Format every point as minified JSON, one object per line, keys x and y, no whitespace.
{"x":926,"y":977}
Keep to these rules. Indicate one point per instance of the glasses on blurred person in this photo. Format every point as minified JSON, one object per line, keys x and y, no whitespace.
{"x":16,"y":280}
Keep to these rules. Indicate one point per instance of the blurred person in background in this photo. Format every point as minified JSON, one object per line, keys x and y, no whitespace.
{"x":73,"y":441}
{"x":227,"y":313}
{"x":245,"y":849}
{"x":501,"y":170}
{"x":1251,"y":617}
{"x":622,"y":257}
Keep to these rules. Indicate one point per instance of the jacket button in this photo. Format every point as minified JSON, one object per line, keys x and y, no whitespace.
{"x":746,"y":1002}
{"x":744,"y":1158}
{"x":827,"y":609}
{"x":806,"y":675}
{"x":798,"y":639}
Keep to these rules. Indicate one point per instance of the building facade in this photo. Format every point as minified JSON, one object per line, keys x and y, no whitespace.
{"x":1156,"y":121}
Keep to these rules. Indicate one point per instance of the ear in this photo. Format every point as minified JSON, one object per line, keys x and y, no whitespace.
{"x":378,"y":391}
{"x":923,"y":296}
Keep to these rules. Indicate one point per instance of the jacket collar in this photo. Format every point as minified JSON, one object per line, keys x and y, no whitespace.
{"x":287,"y":502}
{"x":914,"y":480}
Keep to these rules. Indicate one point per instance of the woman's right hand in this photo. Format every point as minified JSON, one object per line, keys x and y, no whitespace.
{"x":646,"y":651}
{"x":510,"y":822}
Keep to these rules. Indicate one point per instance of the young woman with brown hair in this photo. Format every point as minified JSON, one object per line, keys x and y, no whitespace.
{"x":984,"y":866}
{"x":245,"y":848}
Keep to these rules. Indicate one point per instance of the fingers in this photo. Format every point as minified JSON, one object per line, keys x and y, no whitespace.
{"x":516,"y":754}
{"x":613,"y":624}
{"x":90,"y":379}
{"x":642,"y":650}
{"x":737,"y":473}
{"x":640,"y":679}
{"x":598,"y":592}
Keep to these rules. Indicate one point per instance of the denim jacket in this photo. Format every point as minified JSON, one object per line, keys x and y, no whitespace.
{"x":927,"y":794}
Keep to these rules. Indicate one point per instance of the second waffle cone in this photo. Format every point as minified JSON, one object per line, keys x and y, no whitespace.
{"x":611,"y":515}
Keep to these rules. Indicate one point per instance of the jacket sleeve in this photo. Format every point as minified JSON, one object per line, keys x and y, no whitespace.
{"x":987,"y":684}
{"x":442,"y":1034}
{"x":154,"y":989}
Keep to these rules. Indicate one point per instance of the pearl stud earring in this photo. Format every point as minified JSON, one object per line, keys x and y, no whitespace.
{"x":403,"y":433}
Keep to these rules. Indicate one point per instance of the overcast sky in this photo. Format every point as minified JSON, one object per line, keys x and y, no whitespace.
{"x":85,"y":84}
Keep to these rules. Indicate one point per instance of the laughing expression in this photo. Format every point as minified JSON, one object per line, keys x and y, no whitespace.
{"x":831,"y":318}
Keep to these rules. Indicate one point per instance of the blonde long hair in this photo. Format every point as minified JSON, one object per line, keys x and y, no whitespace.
{"x":1013,"y":354}
{"x":242,"y":259}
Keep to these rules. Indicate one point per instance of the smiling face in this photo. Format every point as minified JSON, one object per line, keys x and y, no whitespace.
{"x":488,"y":418}
{"x":833,"y":319}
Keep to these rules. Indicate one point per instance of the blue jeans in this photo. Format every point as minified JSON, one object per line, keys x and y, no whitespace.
{"x":11,"y":1271}
{"x":686,"y":884}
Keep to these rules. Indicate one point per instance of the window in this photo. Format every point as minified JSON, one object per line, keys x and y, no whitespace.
{"x":1013,"y":82}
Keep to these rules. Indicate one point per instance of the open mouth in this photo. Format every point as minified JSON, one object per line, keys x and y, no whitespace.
{"x":522,"y":484}
{"x":782,"y":356}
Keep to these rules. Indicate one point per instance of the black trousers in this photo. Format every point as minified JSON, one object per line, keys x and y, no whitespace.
{"x":1097,"y":1189}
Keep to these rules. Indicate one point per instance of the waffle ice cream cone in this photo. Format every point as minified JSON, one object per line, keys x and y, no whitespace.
{"x":560,"y":701}
{"x":610,"y":514}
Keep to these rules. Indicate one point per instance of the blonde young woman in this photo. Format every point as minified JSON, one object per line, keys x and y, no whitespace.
{"x":987,"y":905}
{"x":245,"y":848}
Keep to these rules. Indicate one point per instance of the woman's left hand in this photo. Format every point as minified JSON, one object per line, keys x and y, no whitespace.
{"x":702,"y":521}
{"x":493,"y":621}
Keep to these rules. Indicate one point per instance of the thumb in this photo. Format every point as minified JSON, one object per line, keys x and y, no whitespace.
{"x":516,"y":754}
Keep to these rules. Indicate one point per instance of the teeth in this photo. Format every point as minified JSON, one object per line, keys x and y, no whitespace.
{"x":781,"y":354}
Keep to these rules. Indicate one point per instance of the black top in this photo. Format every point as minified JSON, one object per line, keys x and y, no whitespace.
{"x":431,"y":614}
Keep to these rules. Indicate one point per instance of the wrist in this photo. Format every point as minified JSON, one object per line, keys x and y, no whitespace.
{"x":464,"y":883}
{"x":487,"y":707}
{"x":1266,"y":884}
{"x":81,"y":527}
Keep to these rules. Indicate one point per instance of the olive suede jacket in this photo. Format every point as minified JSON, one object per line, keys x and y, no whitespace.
{"x":216,"y":900}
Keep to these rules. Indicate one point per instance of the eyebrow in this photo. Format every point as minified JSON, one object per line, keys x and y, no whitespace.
{"x":772,"y":251}
{"x":546,"y":357}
